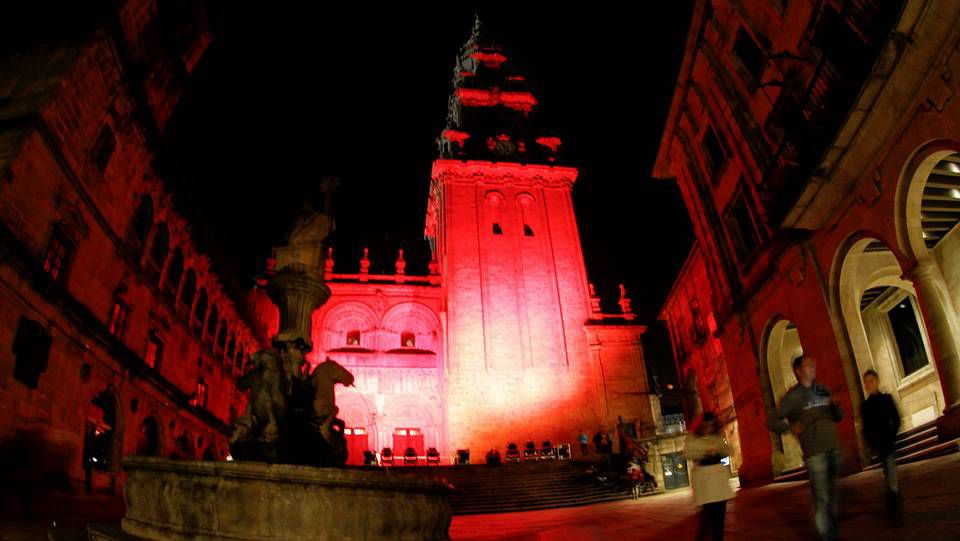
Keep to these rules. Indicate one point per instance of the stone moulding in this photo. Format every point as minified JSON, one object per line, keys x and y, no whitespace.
{"x":205,"y":500}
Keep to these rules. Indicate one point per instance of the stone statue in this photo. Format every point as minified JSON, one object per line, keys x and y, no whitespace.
{"x":293,"y":349}
{"x":291,"y":417}
{"x":310,"y":227}
{"x":303,"y":249}
{"x":257,"y":432}
{"x":323,"y":379}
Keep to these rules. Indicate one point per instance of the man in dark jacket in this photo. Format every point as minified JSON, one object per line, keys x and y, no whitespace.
{"x":811,"y":414}
{"x":881,"y":422}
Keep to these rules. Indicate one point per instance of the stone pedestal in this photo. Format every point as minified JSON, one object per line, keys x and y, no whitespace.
{"x":181,"y":500}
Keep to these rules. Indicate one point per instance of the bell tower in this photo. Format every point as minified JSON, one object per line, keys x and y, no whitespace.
{"x":500,"y":218}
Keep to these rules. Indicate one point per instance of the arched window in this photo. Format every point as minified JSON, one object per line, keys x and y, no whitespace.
{"x":238,"y":361}
{"x":494,"y":201}
{"x":222,"y":335}
{"x":161,"y":245}
{"x":189,"y":291}
{"x":353,"y":338}
{"x":231,"y":348}
{"x":140,"y":226}
{"x":200,"y":314}
{"x":212,"y":323}
{"x":174,"y":274}
{"x":408,"y":340}
{"x":527,"y":207}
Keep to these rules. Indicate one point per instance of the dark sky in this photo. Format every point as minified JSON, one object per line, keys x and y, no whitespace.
{"x":284,"y":98}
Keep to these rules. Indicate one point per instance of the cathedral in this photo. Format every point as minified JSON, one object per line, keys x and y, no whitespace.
{"x":503,"y":340}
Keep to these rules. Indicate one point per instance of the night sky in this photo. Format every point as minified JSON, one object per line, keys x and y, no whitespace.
{"x":284,"y":98}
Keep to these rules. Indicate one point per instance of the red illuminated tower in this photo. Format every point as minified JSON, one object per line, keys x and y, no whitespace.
{"x":501,"y":220}
{"x":499,"y":342}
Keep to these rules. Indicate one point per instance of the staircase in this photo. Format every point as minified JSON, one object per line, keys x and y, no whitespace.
{"x":525,"y":486}
{"x":919,"y":443}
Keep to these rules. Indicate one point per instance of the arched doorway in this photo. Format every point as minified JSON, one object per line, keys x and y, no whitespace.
{"x":148,"y":439}
{"x":782,"y":346}
{"x":359,"y":423}
{"x":410,"y":422}
{"x":927,"y":214}
{"x":100,"y":433}
{"x":882,"y":318}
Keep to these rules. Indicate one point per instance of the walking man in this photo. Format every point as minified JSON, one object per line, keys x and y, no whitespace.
{"x":881,"y":422}
{"x":811,"y":414}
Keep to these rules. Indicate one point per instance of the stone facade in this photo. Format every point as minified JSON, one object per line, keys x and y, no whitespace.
{"x":698,"y":352}
{"x":501,"y":341}
{"x":115,"y":336}
{"x":816,"y":149}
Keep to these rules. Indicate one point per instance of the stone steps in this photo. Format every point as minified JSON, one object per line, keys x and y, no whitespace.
{"x":922,"y":453}
{"x":481,"y":489}
{"x":919,"y":443}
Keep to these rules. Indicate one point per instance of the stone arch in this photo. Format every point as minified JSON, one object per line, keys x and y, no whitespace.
{"x":187,"y":292}
{"x":174,"y":274}
{"x":926,"y":216}
{"x":354,"y":407}
{"x":779,"y":346}
{"x":410,"y":411}
{"x":140,"y":224}
{"x":199,"y":317}
{"x":913,"y":180}
{"x":213,"y":319}
{"x":342,"y":319}
{"x":159,"y":248}
{"x":223,"y":330}
{"x":526,"y":207}
{"x":881,"y":320}
{"x":493,"y":211}
{"x":411,"y":317}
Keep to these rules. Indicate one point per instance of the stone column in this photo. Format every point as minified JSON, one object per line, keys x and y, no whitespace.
{"x":940,"y":317}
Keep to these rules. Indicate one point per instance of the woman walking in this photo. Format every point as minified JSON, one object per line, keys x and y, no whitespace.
{"x":706,"y":446}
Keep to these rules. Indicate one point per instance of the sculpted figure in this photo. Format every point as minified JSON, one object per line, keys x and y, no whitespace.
{"x":257,"y":432}
{"x":323,"y":379}
{"x":310,"y":227}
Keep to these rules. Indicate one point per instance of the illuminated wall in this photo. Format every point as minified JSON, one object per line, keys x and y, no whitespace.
{"x":501,"y":342}
{"x":516,"y":293}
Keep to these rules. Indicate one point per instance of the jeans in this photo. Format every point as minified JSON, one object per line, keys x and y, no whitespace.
{"x":890,"y":472}
{"x":824,"y":468}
